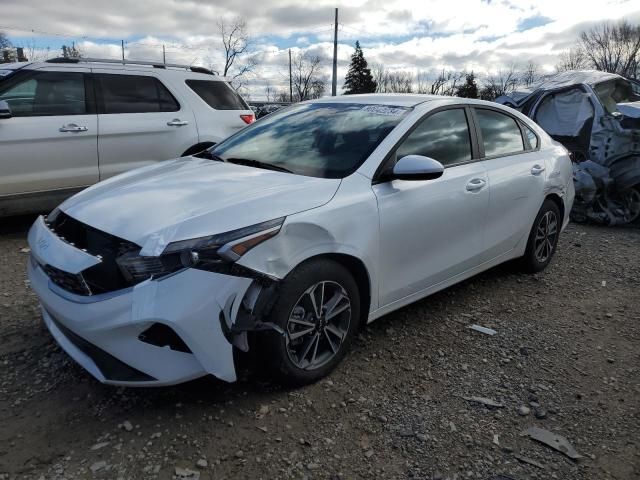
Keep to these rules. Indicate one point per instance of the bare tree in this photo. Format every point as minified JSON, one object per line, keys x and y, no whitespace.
{"x":501,"y":83}
{"x":613,"y":48}
{"x":270,"y":93}
{"x":530,"y":74}
{"x":572,"y":59}
{"x":305,"y":75}
{"x":380,"y":77}
{"x":400,"y":82}
{"x":422,"y":82}
{"x":238,"y":59}
{"x":447,"y":83}
{"x":4,"y":41}
{"x":36,"y":54}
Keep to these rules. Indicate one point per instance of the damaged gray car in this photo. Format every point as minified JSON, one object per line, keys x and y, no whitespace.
{"x":596,"y":116}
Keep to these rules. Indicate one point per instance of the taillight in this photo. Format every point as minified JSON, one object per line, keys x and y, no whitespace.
{"x":248,"y":118}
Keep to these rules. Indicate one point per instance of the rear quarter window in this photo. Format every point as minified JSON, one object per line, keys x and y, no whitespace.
{"x":217,"y":94}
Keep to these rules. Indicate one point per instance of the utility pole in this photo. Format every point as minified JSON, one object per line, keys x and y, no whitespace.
{"x":290,"y":80}
{"x":334,"y":83}
{"x":164,"y":57}
{"x":122,"y":44}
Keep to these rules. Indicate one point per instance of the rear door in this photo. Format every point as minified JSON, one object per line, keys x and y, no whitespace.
{"x":50,"y":143}
{"x":140,"y":121}
{"x":516,"y":170}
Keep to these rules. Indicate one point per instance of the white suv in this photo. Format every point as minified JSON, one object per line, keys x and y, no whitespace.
{"x":66,"y":124}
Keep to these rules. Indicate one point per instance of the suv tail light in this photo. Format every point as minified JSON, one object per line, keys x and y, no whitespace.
{"x":248,"y":118}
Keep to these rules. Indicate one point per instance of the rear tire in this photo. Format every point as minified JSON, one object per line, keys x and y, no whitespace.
{"x":318,"y":308}
{"x":543,"y":238}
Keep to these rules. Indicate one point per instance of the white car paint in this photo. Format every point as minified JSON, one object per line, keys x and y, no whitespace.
{"x":40,"y":163}
{"x":413,"y":238}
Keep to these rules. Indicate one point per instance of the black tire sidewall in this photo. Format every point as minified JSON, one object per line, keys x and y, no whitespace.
{"x":290,"y":291}
{"x":530,"y":261}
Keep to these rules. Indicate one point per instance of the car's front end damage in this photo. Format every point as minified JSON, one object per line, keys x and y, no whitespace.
{"x":596,"y":116}
{"x":155,"y":294}
{"x":157,"y":331}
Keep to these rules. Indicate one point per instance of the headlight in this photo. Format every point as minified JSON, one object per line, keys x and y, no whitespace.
{"x":213,"y":253}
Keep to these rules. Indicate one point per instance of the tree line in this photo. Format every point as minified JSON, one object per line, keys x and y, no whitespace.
{"x":607,"y":47}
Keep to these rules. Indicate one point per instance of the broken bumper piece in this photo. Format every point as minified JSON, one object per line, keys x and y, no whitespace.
{"x":160,"y":332}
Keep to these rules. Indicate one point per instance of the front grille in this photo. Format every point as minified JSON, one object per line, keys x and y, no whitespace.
{"x":71,"y":282}
{"x":103,"y":277}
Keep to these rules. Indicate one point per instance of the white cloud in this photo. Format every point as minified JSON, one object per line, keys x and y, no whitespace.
{"x":479,"y":35}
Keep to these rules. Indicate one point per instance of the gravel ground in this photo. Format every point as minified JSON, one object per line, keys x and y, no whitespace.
{"x":565,"y":358}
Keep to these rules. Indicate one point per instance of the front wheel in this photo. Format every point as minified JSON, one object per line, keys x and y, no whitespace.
{"x":543,"y":238}
{"x":318,"y":309}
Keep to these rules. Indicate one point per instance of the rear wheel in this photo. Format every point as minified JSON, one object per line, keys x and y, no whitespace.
{"x":318,"y":309}
{"x":543,"y":238}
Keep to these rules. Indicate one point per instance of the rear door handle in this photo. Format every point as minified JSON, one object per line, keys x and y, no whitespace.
{"x":176,"y":122}
{"x":537,"y":169}
{"x":476,"y":184}
{"x":72,"y":127}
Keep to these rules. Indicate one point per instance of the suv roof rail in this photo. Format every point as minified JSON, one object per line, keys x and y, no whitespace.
{"x":130,"y":62}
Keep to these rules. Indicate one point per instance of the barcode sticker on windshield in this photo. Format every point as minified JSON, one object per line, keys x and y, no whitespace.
{"x":384,"y":110}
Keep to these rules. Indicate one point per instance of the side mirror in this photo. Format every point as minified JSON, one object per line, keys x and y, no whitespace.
{"x":417,"y":167}
{"x":5,"y":110}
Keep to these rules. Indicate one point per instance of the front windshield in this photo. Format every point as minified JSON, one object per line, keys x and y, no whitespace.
{"x":328,"y":140}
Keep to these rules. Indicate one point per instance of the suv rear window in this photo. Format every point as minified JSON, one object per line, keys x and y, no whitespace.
{"x":217,"y":94}
{"x":133,"y":94}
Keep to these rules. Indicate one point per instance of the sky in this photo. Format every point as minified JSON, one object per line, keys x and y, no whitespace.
{"x":420,"y":35}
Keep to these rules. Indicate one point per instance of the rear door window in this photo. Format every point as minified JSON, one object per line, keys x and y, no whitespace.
{"x":500,"y":133}
{"x":133,"y":94}
{"x":217,"y":94}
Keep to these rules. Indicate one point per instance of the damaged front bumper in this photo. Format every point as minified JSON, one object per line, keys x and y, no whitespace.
{"x":158,"y":332}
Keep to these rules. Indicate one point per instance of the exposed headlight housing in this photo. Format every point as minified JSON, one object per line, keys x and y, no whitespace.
{"x":211,"y":253}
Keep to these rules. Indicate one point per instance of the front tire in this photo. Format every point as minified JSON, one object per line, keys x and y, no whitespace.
{"x":318,"y":308}
{"x":543,"y":238}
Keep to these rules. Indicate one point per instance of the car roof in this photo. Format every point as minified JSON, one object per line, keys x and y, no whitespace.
{"x":13,"y":65}
{"x":396,"y":99}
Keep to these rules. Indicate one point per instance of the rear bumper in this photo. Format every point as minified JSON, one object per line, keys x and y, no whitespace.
{"x":103,"y":332}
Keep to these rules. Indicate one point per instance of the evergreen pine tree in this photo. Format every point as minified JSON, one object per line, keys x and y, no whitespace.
{"x":469,"y":89}
{"x":359,"y":78}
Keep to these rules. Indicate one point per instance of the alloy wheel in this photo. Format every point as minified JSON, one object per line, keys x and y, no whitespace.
{"x":545,"y":239}
{"x":318,"y":325}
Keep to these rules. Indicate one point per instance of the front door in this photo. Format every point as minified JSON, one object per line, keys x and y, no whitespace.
{"x":50,"y":142}
{"x":432,"y":230}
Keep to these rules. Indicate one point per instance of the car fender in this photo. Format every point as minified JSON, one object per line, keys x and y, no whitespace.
{"x":348,"y":225}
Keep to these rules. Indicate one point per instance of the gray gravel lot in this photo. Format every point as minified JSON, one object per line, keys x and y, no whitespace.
{"x":565,"y":359}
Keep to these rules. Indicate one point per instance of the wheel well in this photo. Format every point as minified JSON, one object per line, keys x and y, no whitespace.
{"x":360,"y":274}
{"x":560,"y":204}
{"x":197,"y":148}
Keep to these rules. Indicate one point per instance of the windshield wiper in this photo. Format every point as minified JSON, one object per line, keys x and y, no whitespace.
{"x":209,"y":156}
{"x":258,"y":164}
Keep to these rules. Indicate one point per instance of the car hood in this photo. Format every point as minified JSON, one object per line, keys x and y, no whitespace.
{"x":193,"y":197}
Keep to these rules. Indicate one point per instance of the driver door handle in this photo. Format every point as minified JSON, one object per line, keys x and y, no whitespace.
{"x":537,"y":169}
{"x":176,"y":122}
{"x":476,"y":184}
{"x":72,"y":127}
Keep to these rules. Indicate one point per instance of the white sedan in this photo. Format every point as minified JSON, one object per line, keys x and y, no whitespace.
{"x":293,"y":233}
